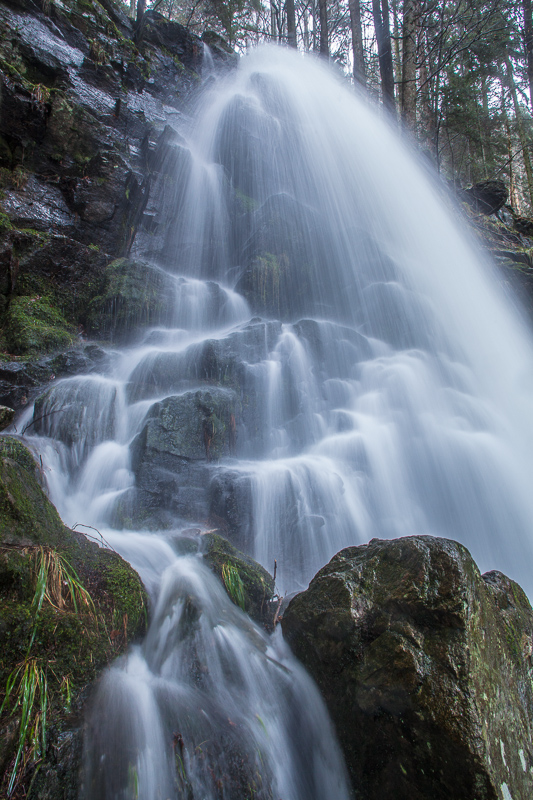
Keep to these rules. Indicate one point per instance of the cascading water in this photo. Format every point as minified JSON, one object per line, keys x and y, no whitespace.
{"x":357,"y":367}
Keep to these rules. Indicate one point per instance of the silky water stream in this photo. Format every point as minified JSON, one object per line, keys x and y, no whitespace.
{"x":374,"y":379}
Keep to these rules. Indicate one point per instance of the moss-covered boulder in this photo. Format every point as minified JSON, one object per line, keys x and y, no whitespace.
{"x":426,"y":668}
{"x":247,"y":583}
{"x":133,"y":295}
{"x":67,"y":608}
{"x":34,"y":324}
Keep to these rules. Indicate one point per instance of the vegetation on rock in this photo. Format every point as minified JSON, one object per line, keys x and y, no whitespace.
{"x":67,"y":608}
{"x":133,"y":295}
{"x":247,"y":583}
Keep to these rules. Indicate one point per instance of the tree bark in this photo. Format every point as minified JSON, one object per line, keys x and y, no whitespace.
{"x":359,"y":71}
{"x":324,"y":33}
{"x":514,"y":196}
{"x":380,"y":12}
{"x":141,"y":8}
{"x":528,"y":45}
{"x":291,"y":23}
{"x":408,"y":85}
{"x":520,"y":127}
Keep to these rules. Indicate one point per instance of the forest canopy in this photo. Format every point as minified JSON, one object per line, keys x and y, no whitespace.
{"x":457,"y":74}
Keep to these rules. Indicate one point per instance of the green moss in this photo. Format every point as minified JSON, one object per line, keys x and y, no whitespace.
{"x":266,"y":272}
{"x":73,"y":132}
{"x":248,"y":204}
{"x":5,"y":223}
{"x":249,"y":585}
{"x":133,"y":295}
{"x":125,"y":586}
{"x":72,"y":645}
{"x":33,"y":324}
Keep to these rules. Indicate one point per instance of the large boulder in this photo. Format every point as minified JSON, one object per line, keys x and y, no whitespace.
{"x":181,"y":436}
{"x":487,"y":197}
{"x":426,"y":668}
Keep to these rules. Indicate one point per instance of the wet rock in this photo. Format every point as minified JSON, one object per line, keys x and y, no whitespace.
{"x":426,"y":668}
{"x":173,"y":37}
{"x":170,"y":456}
{"x":219,"y":361}
{"x":523,"y":225}
{"x":40,"y":207}
{"x":223,"y":54}
{"x":486,"y":197}
{"x":75,"y":171}
{"x":20,"y":381}
{"x":80,"y":411}
{"x":134,"y":295}
{"x":333,"y":345}
{"x":247,"y":583}
{"x":230,"y":507}
{"x":7,"y":416}
{"x":84,"y":359}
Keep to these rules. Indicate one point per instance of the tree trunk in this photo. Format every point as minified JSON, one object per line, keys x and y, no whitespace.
{"x":380,"y":12}
{"x":521,"y":132}
{"x":291,"y":23}
{"x":306,"y":30}
{"x":396,"y":54}
{"x":141,"y":8}
{"x":514,"y":196}
{"x":324,"y":33}
{"x":359,"y":71}
{"x":528,"y":45}
{"x":427,"y":105}
{"x":408,"y":85}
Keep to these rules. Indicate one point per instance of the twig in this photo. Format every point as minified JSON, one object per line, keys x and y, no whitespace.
{"x":48,"y":414}
{"x":276,"y":615}
{"x":82,"y":525}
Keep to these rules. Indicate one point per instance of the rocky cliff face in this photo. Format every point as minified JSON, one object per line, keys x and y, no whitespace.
{"x":87,"y":102}
{"x":426,"y":669}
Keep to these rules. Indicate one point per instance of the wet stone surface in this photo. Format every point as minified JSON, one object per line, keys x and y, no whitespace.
{"x":426,"y":668}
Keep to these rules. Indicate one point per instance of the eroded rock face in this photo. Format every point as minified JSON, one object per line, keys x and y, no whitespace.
{"x":88,"y":104}
{"x":426,"y":668}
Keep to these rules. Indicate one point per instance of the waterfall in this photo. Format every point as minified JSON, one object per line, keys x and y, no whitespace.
{"x":341,"y":365}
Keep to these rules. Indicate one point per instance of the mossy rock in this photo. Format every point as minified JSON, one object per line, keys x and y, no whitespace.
{"x":33,"y":325}
{"x":72,"y":643}
{"x":134,"y":295}
{"x":431,"y":660}
{"x":257,"y":597}
{"x":74,"y":133}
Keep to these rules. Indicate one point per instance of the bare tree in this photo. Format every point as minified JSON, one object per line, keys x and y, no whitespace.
{"x":380,"y":12}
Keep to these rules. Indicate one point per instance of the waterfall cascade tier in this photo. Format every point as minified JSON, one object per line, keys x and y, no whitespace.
{"x":340,"y":365}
